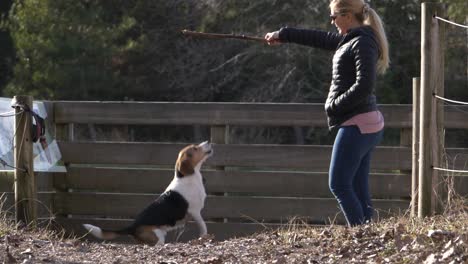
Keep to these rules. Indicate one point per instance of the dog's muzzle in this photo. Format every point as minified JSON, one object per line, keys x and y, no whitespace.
{"x":207,"y":148}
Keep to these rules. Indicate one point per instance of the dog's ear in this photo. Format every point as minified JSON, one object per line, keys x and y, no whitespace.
{"x":184,"y":167}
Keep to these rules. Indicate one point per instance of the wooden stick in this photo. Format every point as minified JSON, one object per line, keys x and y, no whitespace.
{"x":221,"y":36}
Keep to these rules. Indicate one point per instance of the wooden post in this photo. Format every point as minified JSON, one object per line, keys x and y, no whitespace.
{"x":220,"y":135}
{"x":432,"y":82}
{"x":25,"y":185}
{"x":439,"y":184}
{"x":415,"y":147}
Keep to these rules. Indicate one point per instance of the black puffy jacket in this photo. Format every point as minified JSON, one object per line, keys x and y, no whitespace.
{"x":354,"y":69}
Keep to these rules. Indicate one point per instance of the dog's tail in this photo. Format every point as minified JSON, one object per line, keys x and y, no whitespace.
{"x":106,"y":234}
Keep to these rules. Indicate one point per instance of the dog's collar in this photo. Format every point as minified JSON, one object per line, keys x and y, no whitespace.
{"x":179,"y":174}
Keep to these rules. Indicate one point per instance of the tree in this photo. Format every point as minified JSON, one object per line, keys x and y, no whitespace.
{"x":6,"y":46}
{"x":133,"y":49}
{"x":102,"y":50}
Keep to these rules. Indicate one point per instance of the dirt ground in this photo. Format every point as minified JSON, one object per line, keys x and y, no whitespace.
{"x":440,"y":239}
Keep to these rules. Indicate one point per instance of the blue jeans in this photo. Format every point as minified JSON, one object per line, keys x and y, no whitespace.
{"x":349,"y":172}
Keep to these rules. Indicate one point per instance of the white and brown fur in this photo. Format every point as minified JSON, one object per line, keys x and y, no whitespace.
{"x":184,"y":197}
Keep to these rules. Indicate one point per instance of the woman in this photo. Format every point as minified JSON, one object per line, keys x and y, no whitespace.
{"x":361,"y":50}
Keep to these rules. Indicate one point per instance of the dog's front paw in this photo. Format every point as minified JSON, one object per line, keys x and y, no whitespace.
{"x":206,"y":238}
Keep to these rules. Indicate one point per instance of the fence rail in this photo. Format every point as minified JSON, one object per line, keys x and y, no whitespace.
{"x":238,"y":155}
{"x":250,"y":186}
{"x":254,"y":114}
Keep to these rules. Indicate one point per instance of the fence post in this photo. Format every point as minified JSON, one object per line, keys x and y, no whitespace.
{"x":25,"y":185}
{"x":431,"y":116}
{"x":415,"y":147}
{"x":220,"y":135}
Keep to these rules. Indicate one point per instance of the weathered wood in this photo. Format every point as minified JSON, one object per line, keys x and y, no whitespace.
{"x":237,"y":207}
{"x":49,"y":119}
{"x":457,"y":159}
{"x":396,"y":115}
{"x":180,"y":113}
{"x":44,"y":204}
{"x":253,"y":114}
{"x":221,"y":231}
{"x":25,"y":186}
{"x":432,"y":82}
{"x":7,"y":182}
{"x":405,"y":141}
{"x":415,"y":147}
{"x":43,"y":182}
{"x":453,"y":115}
{"x":460,"y":186}
{"x":61,"y":132}
{"x":219,"y":135}
{"x":290,"y":184}
{"x":255,"y":156}
{"x":439,"y":185}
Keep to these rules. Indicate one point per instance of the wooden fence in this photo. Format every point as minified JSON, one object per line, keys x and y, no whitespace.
{"x":250,"y":186}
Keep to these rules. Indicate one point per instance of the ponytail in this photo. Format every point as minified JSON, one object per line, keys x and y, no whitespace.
{"x":372,"y":19}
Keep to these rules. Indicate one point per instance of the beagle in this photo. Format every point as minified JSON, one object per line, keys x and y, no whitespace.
{"x":185,"y":196}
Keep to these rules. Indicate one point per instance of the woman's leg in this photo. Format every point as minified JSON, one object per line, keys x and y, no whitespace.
{"x":343,"y":166}
{"x":361,"y":187}
{"x":361,"y":179}
{"x":350,"y":149}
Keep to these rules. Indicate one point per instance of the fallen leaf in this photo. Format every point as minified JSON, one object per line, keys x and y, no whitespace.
{"x":438,"y":234}
{"x":28,"y":251}
{"x":447,"y":254}
{"x":431,"y":259}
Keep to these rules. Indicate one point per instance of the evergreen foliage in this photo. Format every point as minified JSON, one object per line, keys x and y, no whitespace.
{"x":133,"y":50}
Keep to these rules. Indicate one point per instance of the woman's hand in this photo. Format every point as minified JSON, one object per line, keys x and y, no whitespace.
{"x":273,"y":38}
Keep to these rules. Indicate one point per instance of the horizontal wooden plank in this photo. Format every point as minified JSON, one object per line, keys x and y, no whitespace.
{"x":459,"y":185}
{"x":184,"y":113}
{"x":238,"y":207}
{"x":317,"y":210}
{"x":43,"y":181}
{"x":397,"y":115}
{"x":220,"y":231}
{"x":297,"y":184}
{"x":258,"y":114}
{"x":455,"y":159}
{"x":6,"y":182}
{"x":125,"y":180}
{"x":119,"y":153}
{"x":455,"y":116}
{"x":44,"y":203}
{"x":242,"y":155}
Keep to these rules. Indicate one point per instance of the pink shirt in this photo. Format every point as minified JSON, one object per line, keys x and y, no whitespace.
{"x":370,"y":122}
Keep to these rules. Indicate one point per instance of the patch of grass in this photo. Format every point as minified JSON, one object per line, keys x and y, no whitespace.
{"x":400,"y":238}
{"x":5,"y":222}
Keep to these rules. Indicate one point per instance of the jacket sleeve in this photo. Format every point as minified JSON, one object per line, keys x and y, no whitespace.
{"x":310,"y":37}
{"x":365,"y":52}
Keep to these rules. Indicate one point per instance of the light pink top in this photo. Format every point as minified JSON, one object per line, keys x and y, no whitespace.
{"x":370,"y":122}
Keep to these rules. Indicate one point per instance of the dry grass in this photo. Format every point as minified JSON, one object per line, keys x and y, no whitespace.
{"x":400,"y":239}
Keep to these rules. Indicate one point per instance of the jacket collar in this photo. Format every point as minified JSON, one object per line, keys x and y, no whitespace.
{"x":355,"y":32}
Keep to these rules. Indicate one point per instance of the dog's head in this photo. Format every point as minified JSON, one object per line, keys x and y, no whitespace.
{"x":192,"y":157}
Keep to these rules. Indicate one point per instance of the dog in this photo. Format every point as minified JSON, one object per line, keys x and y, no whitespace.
{"x":183,"y":198}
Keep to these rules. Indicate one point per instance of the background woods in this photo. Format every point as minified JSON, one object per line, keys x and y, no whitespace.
{"x":133,"y":50}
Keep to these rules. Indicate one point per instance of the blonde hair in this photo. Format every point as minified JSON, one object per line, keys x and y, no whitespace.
{"x":367,"y":16}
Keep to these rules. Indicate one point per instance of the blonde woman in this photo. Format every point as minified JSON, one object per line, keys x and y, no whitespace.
{"x":361,"y":51}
